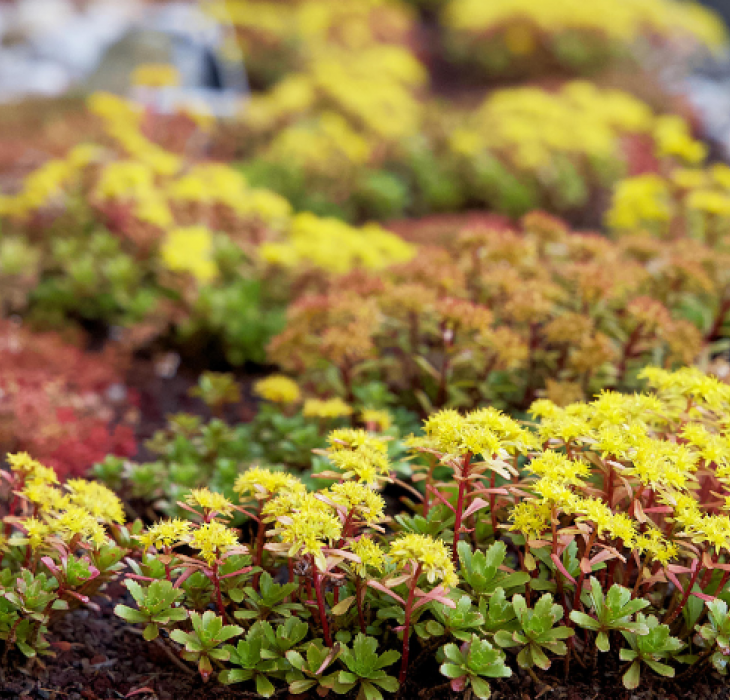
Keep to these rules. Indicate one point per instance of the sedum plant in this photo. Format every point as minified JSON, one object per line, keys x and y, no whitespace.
{"x":518,"y":39}
{"x":471,"y":663}
{"x":596,"y":528}
{"x":507,"y":317}
{"x":59,"y":548}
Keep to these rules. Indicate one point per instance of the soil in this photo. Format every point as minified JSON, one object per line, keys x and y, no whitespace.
{"x":162,"y":390}
{"x":101,"y":657}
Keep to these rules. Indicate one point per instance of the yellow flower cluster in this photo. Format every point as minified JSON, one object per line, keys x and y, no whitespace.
{"x":531,"y":127}
{"x":380,"y":419}
{"x":329,"y":142}
{"x":326,"y":408}
{"x":213,"y":539}
{"x":209,"y":501}
{"x":264,"y":483}
{"x":368,"y":74}
{"x":334,"y":246}
{"x":661,"y":443}
{"x":358,"y":500}
{"x":431,"y":555}
{"x":358,"y":454}
{"x":485,"y":431}
{"x":190,"y":250}
{"x":307,"y":525}
{"x":79,"y":510}
{"x":165,"y":533}
{"x":278,"y":388}
{"x":102,"y":503}
{"x":182,"y":204}
{"x":692,"y":202}
{"x":620,"y":21}
{"x":371,"y":555}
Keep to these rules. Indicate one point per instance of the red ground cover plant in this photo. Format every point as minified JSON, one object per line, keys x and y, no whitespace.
{"x":61,"y":402}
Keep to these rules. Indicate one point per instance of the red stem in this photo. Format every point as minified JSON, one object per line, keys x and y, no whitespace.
{"x":258,"y":555}
{"x":358,"y":600}
{"x":460,"y":505}
{"x":407,"y":626}
{"x":577,"y":605}
{"x":320,"y":605}
{"x":492,"y":501}
{"x":687,"y":590}
{"x":218,"y":597}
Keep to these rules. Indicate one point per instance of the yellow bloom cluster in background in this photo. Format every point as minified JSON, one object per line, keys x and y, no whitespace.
{"x":278,"y":388}
{"x":184,"y":204}
{"x":686,"y":202}
{"x":623,"y":20}
{"x":332,"y":245}
{"x":190,"y":250}
{"x":509,"y":35}
{"x":532,"y":127}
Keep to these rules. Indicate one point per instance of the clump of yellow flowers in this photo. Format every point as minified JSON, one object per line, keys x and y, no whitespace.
{"x":686,"y":202}
{"x":68,"y":539}
{"x":524,"y":35}
{"x":278,"y":388}
{"x":579,"y":140}
{"x":622,"y":493}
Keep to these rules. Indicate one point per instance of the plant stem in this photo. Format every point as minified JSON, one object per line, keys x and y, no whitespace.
{"x":320,"y":604}
{"x":407,"y":626}
{"x":492,"y":502}
{"x":258,"y":554}
{"x":218,"y":597}
{"x":577,"y":605}
{"x":358,"y":600}
{"x":687,"y":590}
{"x":460,"y":505}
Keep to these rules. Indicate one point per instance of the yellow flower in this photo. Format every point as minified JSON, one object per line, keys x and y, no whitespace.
{"x":36,"y":531}
{"x":359,"y":499}
{"x":672,"y":137}
{"x":559,"y":468}
{"x":213,"y":539}
{"x":454,"y":434}
{"x":78,"y":521}
{"x":190,"y":250}
{"x":365,"y":464}
{"x":379,"y":418}
{"x":46,"y":497}
{"x":353,"y":439}
{"x":309,"y":529}
{"x":100,"y":501}
{"x":709,"y":201}
{"x":277,"y":388}
{"x":641,"y":201}
{"x":263,"y":483}
{"x":432,"y":555}
{"x":290,"y":502}
{"x":531,"y":518}
{"x":657,"y":546}
{"x":126,"y":180}
{"x":370,"y":554}
{"x":30,"y":468}
{"x":326,"y":408}
{"x":165,"y":533}
{"x":210,"y":501}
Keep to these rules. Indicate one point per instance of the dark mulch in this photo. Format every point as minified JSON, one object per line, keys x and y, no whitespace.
{"x":100,"y":657}
{"x":162,"y":389}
